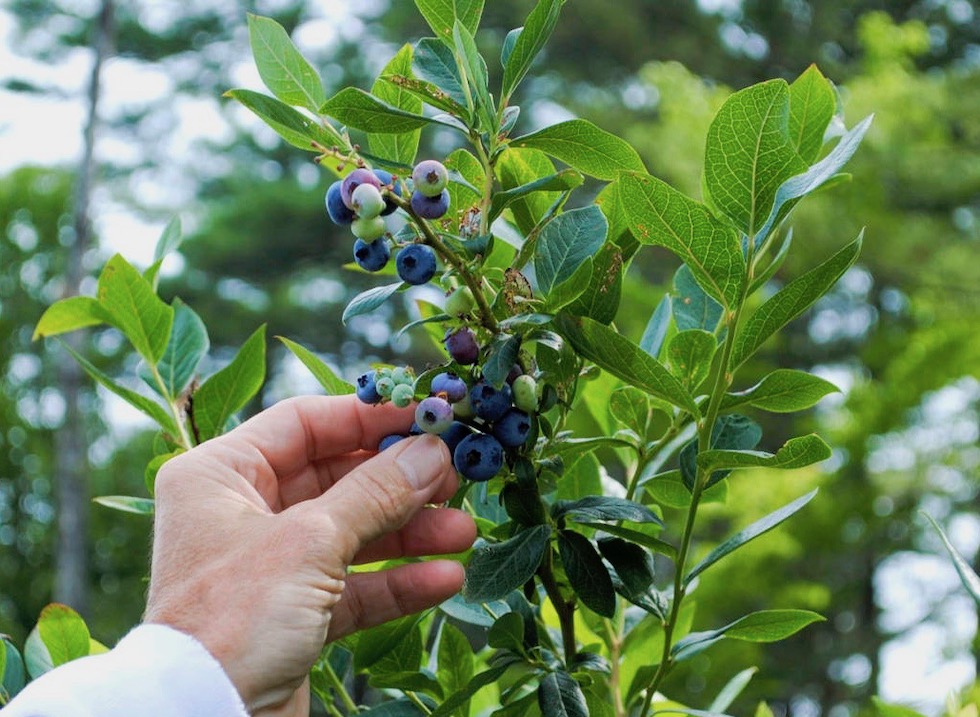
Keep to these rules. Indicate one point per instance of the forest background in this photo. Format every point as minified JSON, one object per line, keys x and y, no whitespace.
{"x":112,"y":123}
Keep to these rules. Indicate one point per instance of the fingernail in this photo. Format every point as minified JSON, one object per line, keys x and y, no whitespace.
{"x":421,"y":462}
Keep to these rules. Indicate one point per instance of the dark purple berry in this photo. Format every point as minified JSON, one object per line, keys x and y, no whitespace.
{"x":513,"y":428}
{"x":416,"y":264}
{"x":454,"y":434}
{"x":478,"y":457}
{"x":389,"y":441}
{"x":388,"y":180}
{"x":514,"y":372}
{"x":371,"y":256}
{"x":490,"y":403}
{"x":353,"y":180}
{"x":430,"y":207}
{"x":338,"y":212}
{"x":434,"y":414}
{"x":367,"y":389}
{"x":450,"y":386}
{"x":462,"y":346}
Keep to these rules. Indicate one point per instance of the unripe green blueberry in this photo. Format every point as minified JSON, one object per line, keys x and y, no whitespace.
{"x":369,"y":229}
{"x":464,"y":407}
{"x":402,"y":374}
{"x":402,"y":395}
{"x":385,"y":386}
{"x":367,"y":201}
{"x":525,"y":390}
{"x":460,"y":302}
{"x":430,"y":177}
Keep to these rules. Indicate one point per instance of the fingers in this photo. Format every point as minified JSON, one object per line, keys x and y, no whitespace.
{"x":373,"y":598}
{"x":433,"y":531}
{"x":383,"y":493}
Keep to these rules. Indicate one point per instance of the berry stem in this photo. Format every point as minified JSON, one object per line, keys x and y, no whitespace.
{"x":564,"y":608}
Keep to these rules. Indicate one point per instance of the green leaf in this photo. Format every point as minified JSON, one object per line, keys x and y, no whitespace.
{"x":368,"y":301}
{"x":407,"y":681}
{"x":517,"y":167}
{"x":393,"y":708}
{"x":468,"y":168}
{"x":559,"y":695}
{"x":891,"y":710}
{"x":732,"y":689}
{"x":759,"y":527}
{"x":403,"y":659}
{"x":635,"y":536}
{"x":375,"y":643}
{"x":763,"y":277}
{"x":782,"y":391}
{"x":148,"y":406}
{"x":969,"y":578}
{"x":462,"y":696}
{"x":532,"y":38}
{"x":400,"y":148}
{"x":770,"y":625}
{"x":659,"y":214}
{"x":293,"y":126}
{"x":813,"y":178}
{"x":478,"y":614}
{"x":36,"y":657}
{"x":13,"y":676}
{"x":748,"y":154}
{"x":135,"y":309}
{"x":622,"y":358}
{"x":600,"y":300}
{"x":795,"y":453}
{"x":126,"y":504}
{"x":331,"y":382}
{"x":657,"y":327}
{"x":150,"y":476}
{"x":633,"y":565}
{"x":282,"y":68}
{"x":64,"y":634}
{"x":565,"y":243}
{"x":188,"y":344}
{"x":169,"y":240}
{"x":497,"y":568}
{"x":442,"y":14}
{"x":358,"y":109}
{"x":476,"y":74}
{"x":580,"y":479}
{"x":226,"y":392}
{"x":811,"y":107}
{"x":580,"y":144}
{"x":791,"y":301}
{"x":570,"y":289}
{"x":561,"y":181}
{"x":692,"y":307}
{"x":630,"y":407}
{"x":435,"y":63}
{"x":605,"y":507}
{"x":670,"y":490}
{"x":70,"y":314}
{"x":689,"y":356}
{"x":501,"y":357}
{"x":455,"y":654}
{"x":427,"y":92}
{"x":730,"y":433}
{"x":587,"y":573}
{"x":507,"y":633}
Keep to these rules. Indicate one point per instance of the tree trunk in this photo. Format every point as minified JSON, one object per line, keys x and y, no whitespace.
{"x":71,"y":459}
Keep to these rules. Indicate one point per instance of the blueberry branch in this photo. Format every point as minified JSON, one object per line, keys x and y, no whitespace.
{"x":564,"y":608}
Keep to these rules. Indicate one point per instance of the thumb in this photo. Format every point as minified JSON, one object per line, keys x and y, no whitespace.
{"x":383,"y":493}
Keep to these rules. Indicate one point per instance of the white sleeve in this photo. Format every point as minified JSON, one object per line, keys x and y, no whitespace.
{"x":155,"y":671}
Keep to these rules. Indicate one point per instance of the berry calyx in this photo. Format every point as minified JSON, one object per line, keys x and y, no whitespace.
{"x":430,"y":177}
{"x":371,"y":256}
{"x":478,"y":457}
{"x":434,"y":415}
{"x":338,"y":212}
{"x":416,"y":264}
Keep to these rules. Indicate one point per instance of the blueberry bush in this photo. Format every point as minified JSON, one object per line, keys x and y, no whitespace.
{"x":527,"y":236}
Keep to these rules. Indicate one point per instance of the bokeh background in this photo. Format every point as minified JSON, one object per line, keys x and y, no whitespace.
{"x":112,"y":122}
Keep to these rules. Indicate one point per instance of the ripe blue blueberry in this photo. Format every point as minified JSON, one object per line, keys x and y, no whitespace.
{"x":387,"y":180}
{"x":434,"y":415}
{"x":367,"y":389}
{"x":415,"y":430}
{"x":453,"y":435}
{"x":389,"y":441}
{"x":338,"y":212}
{"x":416,"y":264}
{"x":430,"y":207}
{"x":430,"y":177}
{"x":513,"y":428}
{"x":451,"y":386}
{"x":478,"y":457}
{"x":353,"y":180}
{"x":462,"y":346}
{"x":490,"y":403}
{"x":371,"y":256}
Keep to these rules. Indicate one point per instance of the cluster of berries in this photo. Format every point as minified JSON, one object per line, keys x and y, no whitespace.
{"x":394,"y":384}
{"x":478,"y":422}
{"x":363,"y":198}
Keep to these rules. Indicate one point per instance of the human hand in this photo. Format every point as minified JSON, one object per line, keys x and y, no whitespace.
{"x":254,"y":532}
